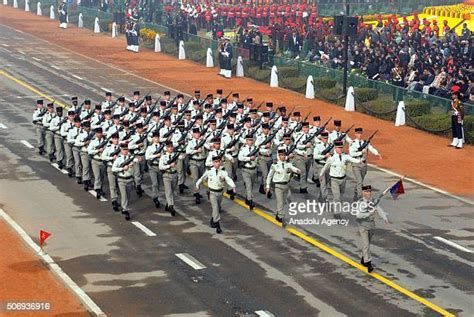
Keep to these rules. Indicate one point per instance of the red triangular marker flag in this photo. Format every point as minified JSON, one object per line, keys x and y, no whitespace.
{"x":43,"y":236}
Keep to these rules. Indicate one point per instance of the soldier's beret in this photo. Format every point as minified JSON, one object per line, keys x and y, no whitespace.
{"x":266,"y":115}
{"x":197,"y":92}
{"x":270,"y":104}
{"x":207,"y":106}
{"x":236,"y":95}
{"x":124,"y":146}
{"x":121,"y":99}
{"x":156,"y":133}
{"x":167,"y":93}
{"x":233,"y":115}
{"x":249,"y":136}
{"x":286,"y":136}
{"x":50,"y":105}
{"x":285,"y":119}
{"x":115,"y":135}
{"x":169,"y":143}
{"x":181,"y":124}
{"x":218,"y":110}
{"x":108,"y":94}
{"x":198,"y":117}
{"x":224,"y":100}
{"x":265,"y":126}
{"x":219,"y":91}
{"x":143,"y":109}
{"x":116,"y":116}
{"x":87,"y":102}
{"x":136,"y":93}
{"x":367,"y":188}
{"x":253,"y":110}
{"x":131,"y":104}
{"x":187,"y":112}
{"x":126,"y":123}
{"x":59,"y":109}
{"x":107,"y":111}
{"x":230,"y":126}
{"x":240,"y":106}
{"x":166,"y":118}
{"x":316,"y":118}
{"x":74,"y":98}
{"x":337,"y":123}
{"x":179,"y":96}
{"x":195,"y":102}
{"x":305,"y":124}
{"x":281,"y":151}
{"x":174,"y":106}
{"x":209,"y":96}
{"x":156,"y":113}
{"x":296,"y":114}
{"x":148,"y":97}
{"x":212,"y":121}
{"x":196,"y":130}
{"x":39,"y":102}
{"x":139,"y":125}
{"x":282,"y":109}
{"x":358,"y":130}
{"x":324,"y":134}
{"x":216,"y":157}
{"x":247,"y":119}
{"x":338,"y":143}
{"x":163,"y":103}
{"x":98,"y":130}
{"x":249,"y":99}
{"x":77,"y":119}
{"x":98,"y":107}
{"x":216,"y":140}
{"x":86,"y":124}
{"x":71,"y":113}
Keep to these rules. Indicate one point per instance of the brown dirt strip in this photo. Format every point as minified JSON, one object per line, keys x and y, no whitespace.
{"x":24,"y":278}
{"x":405,"y":150}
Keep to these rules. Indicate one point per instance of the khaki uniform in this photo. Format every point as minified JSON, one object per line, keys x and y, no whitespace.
{"x":280,"y":175}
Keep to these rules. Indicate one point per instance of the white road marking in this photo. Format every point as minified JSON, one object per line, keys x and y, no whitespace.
{"x":56,"y":269}
{"x":191,"y":261}
{"x":2,"y":126}
{"x":464,"y":200}
{"x":36,"y":96}
{"x":55,"y":165}
{"x":147,"y":231}
{"x":21,"y":52}
{"x":36,"y":59}
{"x":77,"y":77}
{"x":6,"y":45}
{"x":55,"y":67}
{"x":93,"y":193}
{"x":264,"y":313}
{"x":454,"y":245}
{"x":106,"y":89}
{"x":27,"y":144}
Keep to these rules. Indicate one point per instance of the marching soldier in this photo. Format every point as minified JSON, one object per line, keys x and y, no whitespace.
{"x":110,"y":153}
{"x":249,"y":168}
{"x":86,"y":112}
{"x":303,"y":155}
{"x":107,"y":122}
{"x":319,"y":162}
{"x":367,"y":207}
{"x":197,"y":155}
{"x":38,"y":122}
{"x":280,"y":175}
{"x":358,"y":150}
{"x":55,"y":127}
{"x":230,"y":165}
{"x":337,"y":134}
{"x":170,"y":176}
{"x":64,"y":132}
{"x":337,"y":165}
{"x":49,"y":135}
{"x":123,"y":167}
{"x":120,"y":108}
{"x":82,"y":142}
{"x":138,"y":144}
{"x":265,"y":156}
{"x":217,"y":180}
{"x":107,"y":104}
{"x":95,"y":149}
{"x":76,"y":151}
{"x":152,"y":155}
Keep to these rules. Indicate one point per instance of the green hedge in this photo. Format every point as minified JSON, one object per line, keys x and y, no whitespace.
{"x":294,"y":83}
{"x":258,"y":74}
{"x":287,"y":72}
{"x":324,"y":82}
{"x":417,"y":107}
{"x":366,"y":94}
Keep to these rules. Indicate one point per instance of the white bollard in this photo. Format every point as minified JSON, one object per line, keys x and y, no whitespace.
{"x":274,"y":77}
{"x":210,"y":59}
{"x":80,"y":21}
{"x":182,"y":52}
{"x":5,"y":2}
{"x":400,"y":118}
{"x":96,"y":25}
{"x":38,"y":9}
{"x":157,"y":43}
{"x":240,"y":67}
{"x":114,"y":29}
{"x":15,"y":4}
{"x":310,"y":87}
{"x":27,"y":6}
{"x":350,"y":100}
{"x":51,"y":12}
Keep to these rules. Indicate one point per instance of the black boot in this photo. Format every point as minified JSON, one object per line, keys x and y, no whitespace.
{"x":247,"y":201}
{"x":181,"y":188}
{"x":115,"y":205}
{"x":127,"y":215}
{"x":157,"y":202}
{"x":251,"y":204}
{"x":261,"y":190}
{"x":51,"y":158}
{"x":231,"y":194}
{"x":86,"y":186}
{"x":184,"y":186}
{"x":139,"y":191}
{"x":41,"y":150}
{"x":172,"y":211}
{"x":198,"y":198}
{"x":212,"y":223}
{"x":60,"y":165}
{"x":218,"y":227}
{"x":70,"y":172}
{"x":167,"y":208}
{"x":303,"y":191}
{"x":370,"y":268}
{"x":316,"y":181}
{"x":98,"y":193}
{"x":269,"y":195}
{"x":79,"y":180}
{"x":278,"y":218}
{"x":362,"y":261}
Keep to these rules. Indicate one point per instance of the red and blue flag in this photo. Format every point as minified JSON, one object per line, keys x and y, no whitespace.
{"x":397,"y":189}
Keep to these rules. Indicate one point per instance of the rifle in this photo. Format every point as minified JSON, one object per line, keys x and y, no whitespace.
{"x":318,"y":132}
{"x":178,"y":119}
{"x":299,"y":126}
{"x":222,"y":125}
{"x":169,"y":133}
{"x":129,"y":134}
{"x":269,"y":138}
{"x":171,"y":102}
{"x":63,"y":121}
{"x":260,"y":105}
{"x":254,"y":152}
{"x":128,"y":161}
{"x":331,"y":146}
{"x":343,"y":135}
{"x":88,"y":116}
{"x":79,"y":109}
{"x":89,"y":137}
{"x":101,"y":120}
{"x":366,"y":143}
{"x":124,"y":112}
{"x":152,"y":108}
{"x":116,"y":152}
{"x":43,"y":111}
{"x":135,"y":118}
{"x":293,"y":147}
{"x":103,"y":143}
{"x":212,"y":116}
{"x":114,"y":103}
{"x":201,"y":143}
{"x":142,"y":100}
{"x":158,"y":150}
{"x":173,"y":158}
{"x":291,"y":112}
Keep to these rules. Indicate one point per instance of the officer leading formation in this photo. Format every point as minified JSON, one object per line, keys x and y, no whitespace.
{"x":212,"y":140}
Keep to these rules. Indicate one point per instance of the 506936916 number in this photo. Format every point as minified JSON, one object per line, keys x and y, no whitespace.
{"x":24,"y":306}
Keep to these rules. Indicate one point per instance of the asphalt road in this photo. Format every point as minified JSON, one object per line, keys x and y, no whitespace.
{"x":254,"y":266}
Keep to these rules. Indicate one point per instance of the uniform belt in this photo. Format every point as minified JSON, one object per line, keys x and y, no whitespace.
{"x":359,"y":156}
{"x":140,"y":154}
{"x":320,"y":162}
{"x":281,"y":183}
{"x":122,"y":177}
{"x":342,"y":177}
{"x":250,"y":168}
{"x":96,"y":159}
{"x":168,"y":172}
{"x":197,"y":160}
{"x":216,"y":190}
